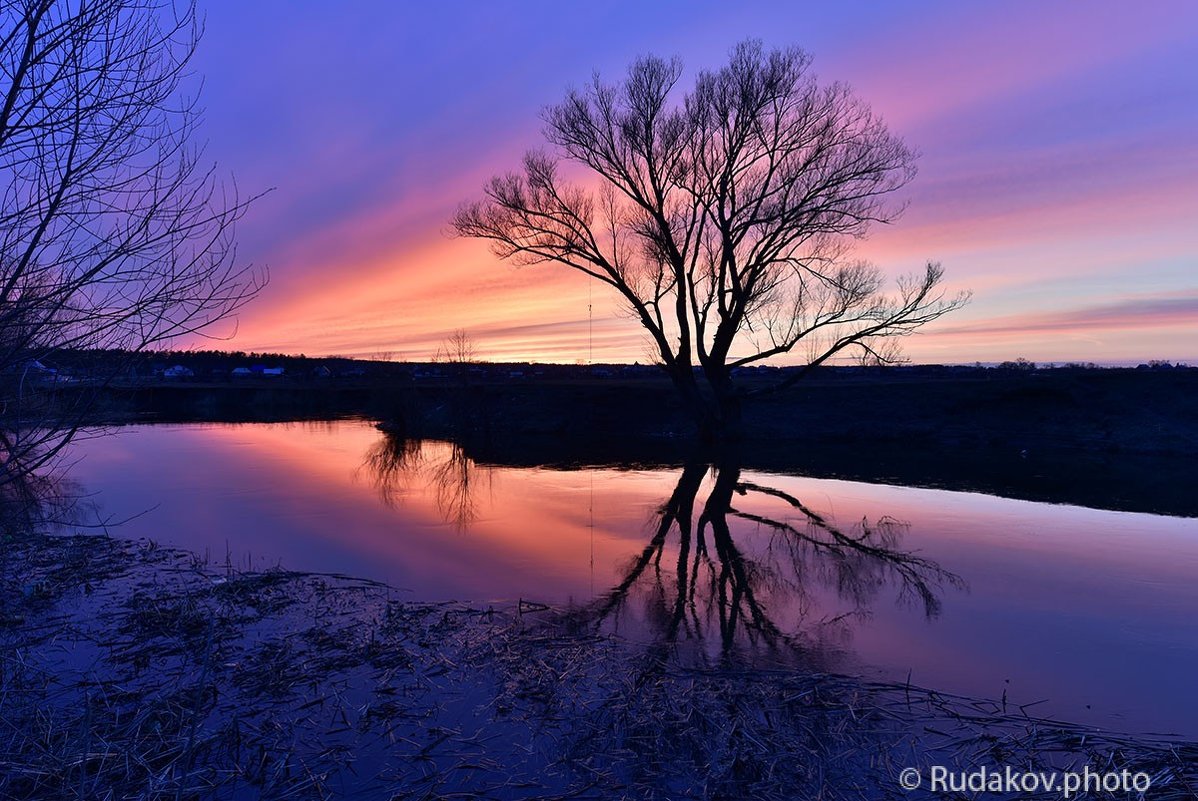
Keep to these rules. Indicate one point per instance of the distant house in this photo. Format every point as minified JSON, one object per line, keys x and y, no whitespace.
{"x":242,"y":372}
{"x":322,"y":372}
{"x":178,"y":371}
{"x":33,"y":370}
{"x":272,"y":371}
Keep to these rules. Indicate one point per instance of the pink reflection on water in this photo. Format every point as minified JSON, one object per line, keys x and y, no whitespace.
{"x":1090,"y":609}
{"x":301,"y":495}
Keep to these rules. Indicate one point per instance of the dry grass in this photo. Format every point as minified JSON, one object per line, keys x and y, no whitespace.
{"x":133,"y":672}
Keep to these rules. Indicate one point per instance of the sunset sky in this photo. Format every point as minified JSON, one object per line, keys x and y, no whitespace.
{"x":1058,"y":178}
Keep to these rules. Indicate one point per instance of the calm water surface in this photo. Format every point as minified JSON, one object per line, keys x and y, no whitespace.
{"x":1091,"y":612}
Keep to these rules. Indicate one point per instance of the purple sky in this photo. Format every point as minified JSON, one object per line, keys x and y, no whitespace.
{"x":1058,"y":178}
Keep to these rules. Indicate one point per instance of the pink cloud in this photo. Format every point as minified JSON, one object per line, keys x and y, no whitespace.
{"x":1012,"y":217}
{"x":1177,"y":310}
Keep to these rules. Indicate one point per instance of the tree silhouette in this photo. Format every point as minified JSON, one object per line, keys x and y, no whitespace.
{"x":722,"y":218}
{"x":458,"y":348}
{"x":113,"y":233}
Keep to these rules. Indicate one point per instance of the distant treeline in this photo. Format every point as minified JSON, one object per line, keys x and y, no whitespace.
{"x":217,"y":365}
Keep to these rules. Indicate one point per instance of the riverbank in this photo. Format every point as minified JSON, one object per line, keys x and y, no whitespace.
{"x":1113,"y":439}
{"x":136,"y":671}
{"x":1118,"y":411}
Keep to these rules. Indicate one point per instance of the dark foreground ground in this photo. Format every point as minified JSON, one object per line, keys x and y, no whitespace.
{"x":131,"y":671}
{"x":1117,"y":439}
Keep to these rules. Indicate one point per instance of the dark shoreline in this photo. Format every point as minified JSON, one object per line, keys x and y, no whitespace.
{"x":1112,"y":439}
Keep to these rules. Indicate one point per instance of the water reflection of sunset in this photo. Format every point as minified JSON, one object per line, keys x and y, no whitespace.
{"x":303,"y":495}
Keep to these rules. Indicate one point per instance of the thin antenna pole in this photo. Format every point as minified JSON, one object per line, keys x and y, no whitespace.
{"x":591,"y":526}
{"x":591,"y":472}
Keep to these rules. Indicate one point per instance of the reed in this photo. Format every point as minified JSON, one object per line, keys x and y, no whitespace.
{"x":133,"y":671}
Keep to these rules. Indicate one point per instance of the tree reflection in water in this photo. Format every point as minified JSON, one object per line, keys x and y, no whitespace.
{"x":747,"y":574}
{"x":44,"y":500}
{"x":737,"y":601}
{"x":395,"y":463}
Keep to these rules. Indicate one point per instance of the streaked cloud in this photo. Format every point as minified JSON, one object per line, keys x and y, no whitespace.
{"x":1057,"y":178}
{"x":1148,"y":312}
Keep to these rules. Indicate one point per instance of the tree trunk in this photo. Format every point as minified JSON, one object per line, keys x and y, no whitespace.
{"x":715,"y":410}
{"x":731,"y":419}
{"x":700,"y":409}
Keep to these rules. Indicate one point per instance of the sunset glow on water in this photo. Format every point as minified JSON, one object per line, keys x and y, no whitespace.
{"x":1047,"y":595}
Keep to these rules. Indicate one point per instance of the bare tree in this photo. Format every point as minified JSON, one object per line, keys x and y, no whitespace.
{"x":457,"y":348}
{"x":113,"y":233}
{"x":722,"y":218}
